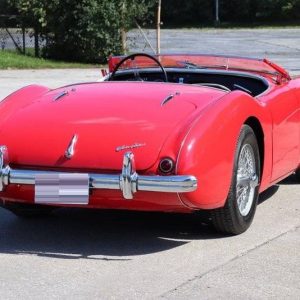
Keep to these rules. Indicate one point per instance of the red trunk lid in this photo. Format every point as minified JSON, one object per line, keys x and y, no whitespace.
{"x":104,"y":116}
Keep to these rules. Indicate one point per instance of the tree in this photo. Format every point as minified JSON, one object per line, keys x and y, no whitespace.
{"x":292,"y":9}
{"x":190,"y":13}
{"x":239,"y":11}
{"x":82,"y":30}
{"x":201,"y":12}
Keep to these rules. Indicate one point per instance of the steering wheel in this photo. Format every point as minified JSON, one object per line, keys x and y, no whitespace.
{"x":132,"y":57}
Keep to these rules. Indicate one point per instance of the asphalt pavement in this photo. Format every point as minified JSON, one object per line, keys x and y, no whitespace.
{"x":85,"y":254}
{"x":280,"y":45}
{"x":94,"y":254}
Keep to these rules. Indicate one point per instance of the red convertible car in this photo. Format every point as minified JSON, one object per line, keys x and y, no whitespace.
{"x":171,"y":133}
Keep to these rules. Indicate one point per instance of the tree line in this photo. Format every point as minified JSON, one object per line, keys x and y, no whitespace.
{"x":90,"y":30}
{"x":231,"y":12}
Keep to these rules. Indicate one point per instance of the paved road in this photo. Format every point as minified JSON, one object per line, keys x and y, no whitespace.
{"x":11,"y":80}
{"x":280,"y":45}
{"x":81,"y":254}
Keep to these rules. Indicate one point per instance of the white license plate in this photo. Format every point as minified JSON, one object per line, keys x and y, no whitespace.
{"x":64,"y":188}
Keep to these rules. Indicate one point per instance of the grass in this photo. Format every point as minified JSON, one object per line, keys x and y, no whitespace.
{"x":10,"y":59}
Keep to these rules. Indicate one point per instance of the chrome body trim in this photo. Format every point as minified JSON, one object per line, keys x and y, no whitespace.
{"x":128,"y":147}
{"x":129,"y":177}
{"x":71,"y":148}
{"x":129,"y":181}
{"x":60,"y":95}
{"x":167,"y":99}
{"x":4,"y":169}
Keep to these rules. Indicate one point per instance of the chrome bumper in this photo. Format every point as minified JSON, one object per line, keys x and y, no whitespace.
{"x":129,"y":182}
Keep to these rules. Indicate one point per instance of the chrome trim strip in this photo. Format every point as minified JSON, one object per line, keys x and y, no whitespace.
{"x":128,"y":178}
{"x":60,"y":95}
{"x":105,"y":181}
{"x":128,"y":147}
{"x":168,"y":184}
{"x":71,"y":148}
{"x":167,"y":99}
{"x":4,"y":168}
{"x":129,"y":182}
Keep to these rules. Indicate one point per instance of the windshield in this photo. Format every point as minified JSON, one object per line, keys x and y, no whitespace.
{"x":261,"y":66}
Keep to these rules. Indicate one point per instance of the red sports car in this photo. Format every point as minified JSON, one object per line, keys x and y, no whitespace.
{"x":172,"y":133}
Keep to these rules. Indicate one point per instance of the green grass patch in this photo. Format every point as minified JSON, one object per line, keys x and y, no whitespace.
{"x":10,"y":59}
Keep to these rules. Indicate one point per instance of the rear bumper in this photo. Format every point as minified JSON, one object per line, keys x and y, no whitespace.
{"x":128,"y":181}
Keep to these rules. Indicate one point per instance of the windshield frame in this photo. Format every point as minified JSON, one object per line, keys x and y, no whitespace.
{"x":262,"y":67}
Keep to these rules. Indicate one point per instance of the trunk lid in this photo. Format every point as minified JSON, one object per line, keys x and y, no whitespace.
{"x":103,"y":116}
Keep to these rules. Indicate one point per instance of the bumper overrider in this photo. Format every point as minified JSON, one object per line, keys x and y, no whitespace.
{"x":129,"y":181}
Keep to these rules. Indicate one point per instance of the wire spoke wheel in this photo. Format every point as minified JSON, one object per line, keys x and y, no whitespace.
{"x":247,"y":179}
{"x":238,"y":212}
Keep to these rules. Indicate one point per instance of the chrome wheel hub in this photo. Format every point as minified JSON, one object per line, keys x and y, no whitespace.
{"x":247,"y":180}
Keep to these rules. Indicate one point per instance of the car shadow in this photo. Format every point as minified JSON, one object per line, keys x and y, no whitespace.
{"x":267,"y":194}
{"x":99,"y":234}
{"x":273,"y":189}
{"x":292,"y":179}
{"x":71,"y":233}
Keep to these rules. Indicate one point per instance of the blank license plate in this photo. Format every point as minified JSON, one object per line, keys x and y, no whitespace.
{"x":62,"y":189}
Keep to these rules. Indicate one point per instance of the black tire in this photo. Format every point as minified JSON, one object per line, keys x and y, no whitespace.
{"x":229,"y":219}
{"x":27,"y":210}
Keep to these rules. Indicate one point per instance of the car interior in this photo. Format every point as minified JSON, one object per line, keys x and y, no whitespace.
{"x":221,"y":79}
{"x":190,"y":73}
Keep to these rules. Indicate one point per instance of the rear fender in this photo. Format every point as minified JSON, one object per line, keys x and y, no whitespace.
{"x":295,"y":87}
{"x":209,"y":147}
{"x":19,"y":99}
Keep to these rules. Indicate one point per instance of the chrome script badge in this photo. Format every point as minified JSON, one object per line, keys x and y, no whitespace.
{"x":125,"y":147}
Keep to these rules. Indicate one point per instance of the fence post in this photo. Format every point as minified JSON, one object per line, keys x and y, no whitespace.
{"x":217,"y":11}
{"x":123,"y":31}
{"x":36,"y":43}
{"x":158,"y":26}
{"x":23,"y":38}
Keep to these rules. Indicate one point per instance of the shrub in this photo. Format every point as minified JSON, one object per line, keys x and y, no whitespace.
{"x":82,"y":30}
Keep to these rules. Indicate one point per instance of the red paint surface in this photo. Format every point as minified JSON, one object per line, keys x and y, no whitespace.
{"x":199,"y":129}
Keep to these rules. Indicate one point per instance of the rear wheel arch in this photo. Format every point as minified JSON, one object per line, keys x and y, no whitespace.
{"x":243,"y":110}
{"x":238,"y":212}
